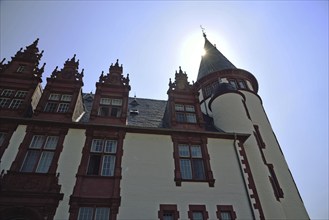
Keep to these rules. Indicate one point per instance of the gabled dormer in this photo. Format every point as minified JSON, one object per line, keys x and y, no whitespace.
{"x":111,"y":97}
{"x":183,"y":109}
{"x":62,"y":97}
{"x":20,"y":78}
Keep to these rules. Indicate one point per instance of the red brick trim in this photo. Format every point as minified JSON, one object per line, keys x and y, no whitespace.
{"x":251,"y":185}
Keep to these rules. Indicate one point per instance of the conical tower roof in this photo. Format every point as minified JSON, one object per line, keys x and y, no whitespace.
{"x":213,"y":60}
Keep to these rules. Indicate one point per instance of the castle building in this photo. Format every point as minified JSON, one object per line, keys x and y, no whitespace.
{"x":207,"y":152}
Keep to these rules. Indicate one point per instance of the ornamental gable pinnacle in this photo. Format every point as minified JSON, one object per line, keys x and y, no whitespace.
{"x":114,"y":77}
{"x":181,"y":82}
{"x":69,"y":72}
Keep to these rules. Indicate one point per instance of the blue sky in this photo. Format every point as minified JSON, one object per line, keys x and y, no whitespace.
{"x":283,"y":43}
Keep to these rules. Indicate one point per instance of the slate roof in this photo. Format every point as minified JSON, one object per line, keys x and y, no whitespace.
{"x":146,"y":113}
{"x":213,"y":60}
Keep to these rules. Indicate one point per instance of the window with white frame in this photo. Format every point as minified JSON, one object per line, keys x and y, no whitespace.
{"x":11,"y":98}
{"x":110,"y":107}
{"x":58,"y":103}
{"x":94,"y":213}
{"x":185,"y":113}
{"x":15,"y":103}
{"x":40,"y":154}
{"x":102,"y":157}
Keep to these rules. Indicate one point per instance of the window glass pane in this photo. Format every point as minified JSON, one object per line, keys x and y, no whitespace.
{"x":190,"y":117}
{"x":117,"y":102}
{"x":97,"y":145}
{"x":225,"y":215}
{"x":37,"y":141}
{"x":102,"y":214}
{"x":108,"y":165}
{"x":180,"y":117}
{"x":2,"y":137}
{"x":198,"y":169}
{"x":51,"y":107}
{"x":242,"y":84}
{"x":233,"y":83}
{"x":66,"y":98}
{"x":197,"y":216}
{"x":21,"y":94}
{"x":168,"y":216}
{"x":179,"y":107}
{"x":115,"y":112}
{"x":7,"y":92}
{"x":4,"y":102}
{"x":30,"y":161}
{"x":54,"y":97}
{"x":51,"y":142}
{"x":93,"y":166}
{"x":63,"y":107}
{"x":103,"y":111}
{"x":185,"y":168}
{"x":45,"y":161}
{"x":105,"y":101}
{"x":183,"y":150}
{"x":110,"y":146}
{"x":15,"y":103}
{"x":85,"y":213}
{"x":196,"y":151}
{"x":189,"y":108}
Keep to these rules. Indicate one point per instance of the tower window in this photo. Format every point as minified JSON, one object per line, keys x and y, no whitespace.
{"x":242,"y":84}
{"x":40,"y":153}
{"x":102,"y":157}
{"x":185,"y":113}
{"x":233,"y":83}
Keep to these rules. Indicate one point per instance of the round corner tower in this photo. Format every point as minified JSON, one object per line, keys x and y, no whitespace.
{"x":229,"y":96}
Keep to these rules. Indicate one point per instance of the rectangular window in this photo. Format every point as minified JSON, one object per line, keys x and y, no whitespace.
{"x":21,"y":94}
{"x":4,"y":102}
{"x":110,"y":107}
{"x":225,"y":212}
{"x":168,"y":212}
{"x":15,"y":103}
{"x":20,"y":68}
{"x":102,"y":157}
{"x":66,"y":98}
{"x":242,"y":84}
{"x":63,"y":107}
{"x":191,"y":162}
{"x":54,"y":97}
{"x":51,"y":107}
{"x":185,"y":113}
{"x":40,"y":154}
{"x":197,"y":212}
{"x":7,"y":92}
{"x":91,"y":213}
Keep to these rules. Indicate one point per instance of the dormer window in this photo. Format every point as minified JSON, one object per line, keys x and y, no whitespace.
{"x":20,"y":68}
{"x":110,"y":107}
{"x":59,"y":103}
{"x":185,"y":113}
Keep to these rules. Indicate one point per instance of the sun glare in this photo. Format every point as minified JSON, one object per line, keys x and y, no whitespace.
{"x":191,"y":54}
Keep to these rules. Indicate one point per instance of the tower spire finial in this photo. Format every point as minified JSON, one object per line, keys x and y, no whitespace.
{"x":203,"y":31}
